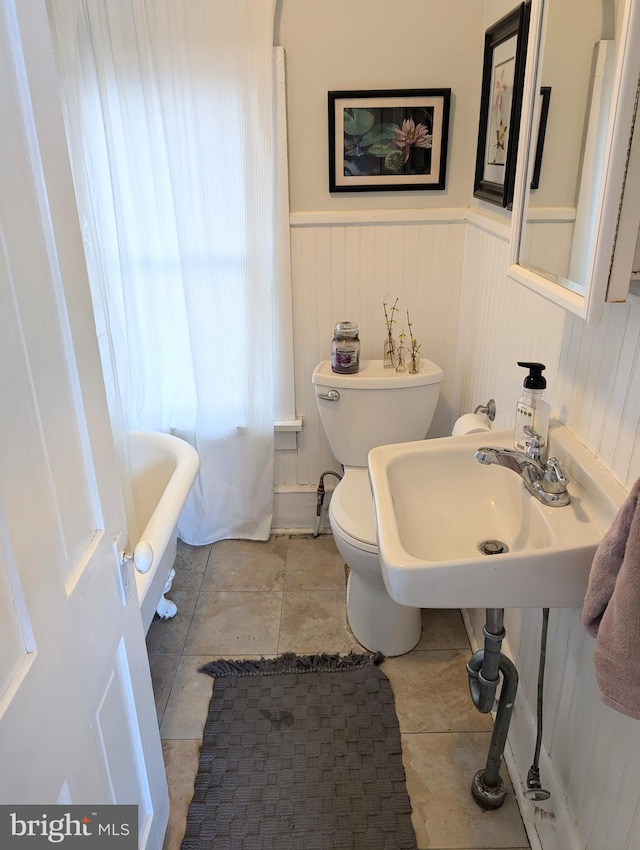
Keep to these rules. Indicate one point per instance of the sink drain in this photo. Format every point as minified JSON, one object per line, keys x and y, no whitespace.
{"x":493,"y":547}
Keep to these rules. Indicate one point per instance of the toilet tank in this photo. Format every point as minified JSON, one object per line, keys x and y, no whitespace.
{"x":376,"y":406}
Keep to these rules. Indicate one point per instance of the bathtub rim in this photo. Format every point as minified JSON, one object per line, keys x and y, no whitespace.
{"x":160,"y":530}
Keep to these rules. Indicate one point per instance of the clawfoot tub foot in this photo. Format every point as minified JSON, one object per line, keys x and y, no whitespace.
{"x":166,"y":608}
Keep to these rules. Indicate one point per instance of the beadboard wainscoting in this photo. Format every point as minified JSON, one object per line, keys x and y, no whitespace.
{"x":598,"y":391}
{"x":343,"y":267}
{"x":591,"y":754}
{"x":501,"y":322}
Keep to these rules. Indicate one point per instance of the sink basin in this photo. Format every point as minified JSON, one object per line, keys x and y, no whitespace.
{"x":438,"y":511}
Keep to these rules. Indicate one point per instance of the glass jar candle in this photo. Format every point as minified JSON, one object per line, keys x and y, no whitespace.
{"x":345,"y":349}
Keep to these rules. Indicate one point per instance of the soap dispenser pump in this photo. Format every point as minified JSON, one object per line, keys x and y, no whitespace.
{"x":532,"y":410}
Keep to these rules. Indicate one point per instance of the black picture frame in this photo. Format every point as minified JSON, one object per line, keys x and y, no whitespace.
{"x":545,"y":100}
{"x":505,"y":54}
{"x":388,"y":140}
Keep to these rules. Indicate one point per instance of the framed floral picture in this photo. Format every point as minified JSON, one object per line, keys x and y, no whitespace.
{"x":505,"y":53}
{"x":388,"y":140}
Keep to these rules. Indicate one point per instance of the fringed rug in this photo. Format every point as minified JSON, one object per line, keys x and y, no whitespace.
{"x":300,"y":753}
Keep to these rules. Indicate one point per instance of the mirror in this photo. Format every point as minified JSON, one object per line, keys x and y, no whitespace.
{"x":573,"y":156}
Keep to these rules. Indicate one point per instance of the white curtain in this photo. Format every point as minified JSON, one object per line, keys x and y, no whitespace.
{"x":170,"y":117}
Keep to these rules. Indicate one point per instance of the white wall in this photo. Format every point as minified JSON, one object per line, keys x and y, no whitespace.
{"x":344,"y":271}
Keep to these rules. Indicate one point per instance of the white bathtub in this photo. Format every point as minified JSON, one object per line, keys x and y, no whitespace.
{"x":162,"y":471}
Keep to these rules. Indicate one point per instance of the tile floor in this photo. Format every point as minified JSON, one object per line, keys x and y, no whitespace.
{"x":242,"y":599}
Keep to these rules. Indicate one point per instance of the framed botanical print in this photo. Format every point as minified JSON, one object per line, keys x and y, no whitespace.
{"x":505,"y":52}
{"x":388,"y":140}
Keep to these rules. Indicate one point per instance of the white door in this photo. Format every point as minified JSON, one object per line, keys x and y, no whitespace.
{"x":77,"y":717}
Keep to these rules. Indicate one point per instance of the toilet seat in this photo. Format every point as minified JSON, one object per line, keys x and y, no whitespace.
{"x":351,"y":510}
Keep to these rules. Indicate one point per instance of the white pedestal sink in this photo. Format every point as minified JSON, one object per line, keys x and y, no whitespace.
{"x":435,"y":505}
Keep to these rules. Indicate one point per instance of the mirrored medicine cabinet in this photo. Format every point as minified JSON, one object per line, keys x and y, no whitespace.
{"x":574,"y":234}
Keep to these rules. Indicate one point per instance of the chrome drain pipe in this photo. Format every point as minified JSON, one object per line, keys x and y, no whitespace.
{"x":484,"y":670}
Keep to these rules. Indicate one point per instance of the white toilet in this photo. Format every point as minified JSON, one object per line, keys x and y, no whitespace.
{"x":374,"y":407}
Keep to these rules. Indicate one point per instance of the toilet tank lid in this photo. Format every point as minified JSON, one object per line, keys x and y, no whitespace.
{"x":373,"y":376}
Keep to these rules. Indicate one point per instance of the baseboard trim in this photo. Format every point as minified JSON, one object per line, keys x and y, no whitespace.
{"x":294,"y":509}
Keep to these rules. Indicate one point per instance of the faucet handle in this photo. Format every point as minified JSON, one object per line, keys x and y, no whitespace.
{"x":555,"y":478}
{"x":528,"y":430}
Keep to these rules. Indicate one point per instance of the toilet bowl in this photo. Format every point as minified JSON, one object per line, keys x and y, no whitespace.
{"x":373,"y":407}
{"x":379,"y":623}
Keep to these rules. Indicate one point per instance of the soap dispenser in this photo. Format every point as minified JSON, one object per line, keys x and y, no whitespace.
{"x":532,"y":409}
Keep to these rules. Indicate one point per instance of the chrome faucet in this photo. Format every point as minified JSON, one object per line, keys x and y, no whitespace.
{"x":544,"y":478}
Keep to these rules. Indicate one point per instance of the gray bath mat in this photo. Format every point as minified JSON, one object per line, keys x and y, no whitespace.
{"x":300,"y":753}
